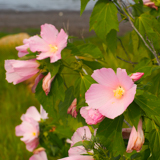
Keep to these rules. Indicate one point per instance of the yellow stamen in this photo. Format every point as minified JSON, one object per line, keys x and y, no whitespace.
{"x":34,"y":134}
{"x":53,"y":48}
{"x":118,"y":93}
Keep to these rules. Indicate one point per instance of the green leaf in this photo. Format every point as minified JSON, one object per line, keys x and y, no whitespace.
{"x":148,"y":26}
{"x":154,"y":143}
{"x":86,"y":50}
{"x":81,"y":86}
{"x":63,"y":106}
{"x":104,"y":18}
{"x":112,"y":40}
{"x":149,"y":103}
{"x":56,"y":94}
{"x":155,"y":88}
{"x":54,"y":68}
{"x":133,"y":113}
{"x":83,"y":5}
{"x":110,"y":134}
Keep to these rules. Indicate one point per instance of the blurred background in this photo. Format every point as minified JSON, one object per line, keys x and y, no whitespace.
{"x":20,"y":19}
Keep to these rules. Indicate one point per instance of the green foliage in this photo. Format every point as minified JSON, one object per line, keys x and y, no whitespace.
{"x":110,"y":134}
{"x":104,"y":18}
{"x":57,"y":91}
{"x":83,"y":5}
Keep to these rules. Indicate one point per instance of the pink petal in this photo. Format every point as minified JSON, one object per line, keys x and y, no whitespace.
{"x":55,"y":56}
{"x":82,"y":132}
{"x":77,"y":151}
{"x":32,"y":112}
{"x":39,"y":156}
{"x":43,"y":55}
{"x":61,"y":40}
{"x":124,"y":80}
{"x":136,"y":76}
{"x":49,"y":33}
{"x":112,"y":108}
{"x":95,"y":118}
{"x":98,"y":95}
{"x":32,"y":145}
{"x":38,"y":44}
{"x":78,"y":157}
{"x":43,"y":113}
{"x":106,"y":77}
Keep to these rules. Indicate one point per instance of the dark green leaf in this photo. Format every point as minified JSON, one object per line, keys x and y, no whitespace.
{"x":112,"y":40}
{"x":81,"y":86}
{"x":110,"y":134}
{"x":104,"y":18}
{"x":134,"y":113}
{"x":57,"y":93}
{"x":149,"y":103}
{"x":154,"y":143}
{"x":83,"y":5}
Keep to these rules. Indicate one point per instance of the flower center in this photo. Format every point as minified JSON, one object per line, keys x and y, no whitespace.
{"x":53,"y":48}
{"x":118,"y":93}
{"x":34,"y":133}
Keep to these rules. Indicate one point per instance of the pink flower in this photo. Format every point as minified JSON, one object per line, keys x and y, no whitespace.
{"x":150,"y":4}
{"x":136,"y":76}
{"x":37,"y":80}
{"x":18,"y":70}
{"x":23,"y":49}
{"x":82,"y":133}
{"x":29,"y":129}
{"x":92,"y":116}
{"x":51,"y":44}
{"x":113,"y":94}
{"x":78,"y":157}
{"x":33,"y":113}
{"x":136,"y":138}
{"x":47,"y":80}
{"x":72,"y":109}
{"x":39,"y":154}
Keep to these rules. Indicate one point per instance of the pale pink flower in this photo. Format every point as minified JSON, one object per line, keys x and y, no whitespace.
{"x":39,"y":154}
{"x":33,"y":113}
{"x":82,"y":133}
{"x":113,"y":94}
{"x":136,"y":76}
{"x":72,"y":109}
{"x":51,"y":44}
{"x":23,"y":49}
{"x":29,"y":129}
{"x":150,"y":4}
{"x":37,"y":80}
{"x":91,"y":116}
{"x":78,"y":157}
{"x":18,"y":70}
{"x":136,"y":138}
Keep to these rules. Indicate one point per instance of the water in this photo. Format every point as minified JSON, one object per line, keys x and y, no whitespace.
{"x":43,"y":5}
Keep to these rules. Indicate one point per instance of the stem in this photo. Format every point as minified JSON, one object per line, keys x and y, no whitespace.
{"x":127,"y":61}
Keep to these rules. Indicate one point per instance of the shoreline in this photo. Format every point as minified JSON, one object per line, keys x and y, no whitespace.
{"x":71,"y":21}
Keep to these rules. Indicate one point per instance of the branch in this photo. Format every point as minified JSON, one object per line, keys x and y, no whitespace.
{"x":151,"y":49}
{"x":127,"y":61}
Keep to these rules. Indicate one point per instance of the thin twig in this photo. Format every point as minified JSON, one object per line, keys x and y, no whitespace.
{"x":153,"y":51}
{"x":127,"y":123}
{"x":125,"y":51}
{"x":127,"y":61}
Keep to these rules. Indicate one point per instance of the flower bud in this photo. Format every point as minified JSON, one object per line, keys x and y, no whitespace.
{"x":136,"y":76}
{"x":72,"y":109}
{"x":136,"y":139}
